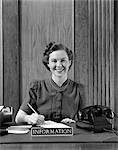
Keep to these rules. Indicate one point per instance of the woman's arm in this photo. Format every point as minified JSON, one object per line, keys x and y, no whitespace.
{"x":25,"y":113}
{"x":34,"y":118}
{"x":21,"y":116}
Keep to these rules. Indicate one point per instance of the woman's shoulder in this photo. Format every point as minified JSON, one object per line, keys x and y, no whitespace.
{"x":37,"y":83}
{"x":78,"y":85}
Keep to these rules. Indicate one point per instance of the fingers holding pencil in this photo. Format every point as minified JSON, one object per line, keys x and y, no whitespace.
{"x":40,"y":119}
{"x":35,"y":118}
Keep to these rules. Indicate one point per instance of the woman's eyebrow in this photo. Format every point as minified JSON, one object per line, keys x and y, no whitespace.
{"x":53,"y":59}
{"x":59,"y":58}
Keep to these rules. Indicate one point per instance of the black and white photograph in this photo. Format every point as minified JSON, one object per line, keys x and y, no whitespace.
{"x":58,"y":74}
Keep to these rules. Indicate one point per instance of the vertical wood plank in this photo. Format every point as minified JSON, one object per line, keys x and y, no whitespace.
{"x":116,"y":60}
{"x":99,"y":52}
{"x":103,"y":50}
{"x":1,"y":57}
{"x":107,"y":54}
{"x":11,"y":54}
{"x":95,"y":52}
{"x":90,"y":57}
{"x":73,"y":39}
{"x":111,"y":54}
{"x":81,"y":44}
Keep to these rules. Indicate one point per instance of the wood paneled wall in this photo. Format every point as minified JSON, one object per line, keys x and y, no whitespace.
{"x":81,"y":44}
{"x":94,"y":49}
{"x":11,"y":54}
{"x":101,"y":52}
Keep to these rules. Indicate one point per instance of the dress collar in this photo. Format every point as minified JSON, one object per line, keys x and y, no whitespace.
{"x":59,"y":88}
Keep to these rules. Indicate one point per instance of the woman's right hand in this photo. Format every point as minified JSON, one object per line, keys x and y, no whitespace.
{"x":34,"y":119}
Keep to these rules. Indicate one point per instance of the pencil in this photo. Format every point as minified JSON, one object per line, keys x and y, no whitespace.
{"x":32,"y":108}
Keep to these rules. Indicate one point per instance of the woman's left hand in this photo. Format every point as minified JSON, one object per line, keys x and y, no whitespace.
{"x":68,"y":120}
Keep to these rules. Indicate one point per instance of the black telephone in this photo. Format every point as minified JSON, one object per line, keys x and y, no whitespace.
{"x":95,"y":117}
{"x":6,"y":114}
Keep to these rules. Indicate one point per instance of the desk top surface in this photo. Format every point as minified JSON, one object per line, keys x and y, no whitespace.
{"x":80,"y":136}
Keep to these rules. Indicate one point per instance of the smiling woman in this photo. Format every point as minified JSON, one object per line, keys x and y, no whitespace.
{"x":57,"y":98}
{"x":59,"y":60}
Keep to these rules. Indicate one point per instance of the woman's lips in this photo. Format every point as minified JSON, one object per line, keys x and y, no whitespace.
{"x":59,"y":70}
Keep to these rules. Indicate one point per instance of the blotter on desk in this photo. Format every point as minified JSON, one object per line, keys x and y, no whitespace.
{"x":51,"y":128}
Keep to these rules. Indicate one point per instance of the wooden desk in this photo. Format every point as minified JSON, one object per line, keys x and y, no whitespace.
{"x":60,"y":146}
{"x":82,"y":140}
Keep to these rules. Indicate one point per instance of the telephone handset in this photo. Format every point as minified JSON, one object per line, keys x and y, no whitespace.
{"x":95,"y":117}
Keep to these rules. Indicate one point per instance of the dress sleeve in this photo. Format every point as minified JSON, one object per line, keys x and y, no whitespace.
{"x":31,"y":98}
{"x":83,"y":99}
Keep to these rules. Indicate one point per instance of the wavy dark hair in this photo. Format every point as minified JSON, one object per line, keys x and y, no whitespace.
{"x":53,"y":46}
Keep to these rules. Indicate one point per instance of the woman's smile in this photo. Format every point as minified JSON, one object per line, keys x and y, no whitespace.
{"x":59,"y":70}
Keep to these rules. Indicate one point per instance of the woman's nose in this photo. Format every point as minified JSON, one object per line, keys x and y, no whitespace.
{"x":59,"y":63}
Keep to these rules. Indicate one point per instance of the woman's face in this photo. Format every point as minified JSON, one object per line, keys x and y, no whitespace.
{"x":59,"y":63}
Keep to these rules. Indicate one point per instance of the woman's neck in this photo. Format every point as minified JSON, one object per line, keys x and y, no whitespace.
{"x":59,"y":80}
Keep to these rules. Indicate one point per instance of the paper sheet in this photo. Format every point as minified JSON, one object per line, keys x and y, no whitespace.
{"x":52,"y":124}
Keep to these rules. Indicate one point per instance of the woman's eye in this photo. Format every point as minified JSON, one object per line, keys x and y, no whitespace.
{"x":63,"y":60}
{"x":54,"y":61}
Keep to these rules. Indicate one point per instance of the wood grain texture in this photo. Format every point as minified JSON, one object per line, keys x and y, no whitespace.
{"x":11,"y":54}
{"x":43,"y":22}
{"x":101,"y":52}
{"x":107,"y":53}
{"x":59,"y":146}
{"x":112,"y":54}
{"x":81,"y":44}
{"x":1,"y":56}
{"x":95,"y":52}
{"x":91,"y":52}
{"x":116,"y":60}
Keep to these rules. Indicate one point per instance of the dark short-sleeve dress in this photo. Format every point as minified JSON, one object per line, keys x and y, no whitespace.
{"x":54,"y":102}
